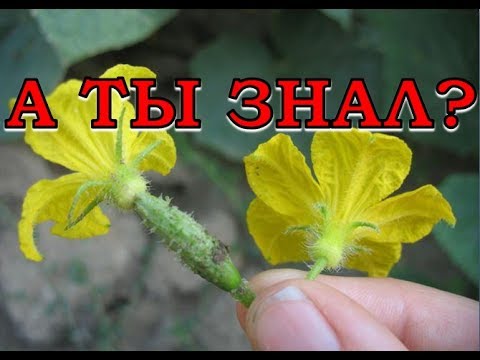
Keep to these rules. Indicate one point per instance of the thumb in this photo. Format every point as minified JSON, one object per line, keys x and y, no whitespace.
{"x":300,"y":314}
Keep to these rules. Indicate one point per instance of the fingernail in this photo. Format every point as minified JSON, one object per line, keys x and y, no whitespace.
{"x":288,"y":320}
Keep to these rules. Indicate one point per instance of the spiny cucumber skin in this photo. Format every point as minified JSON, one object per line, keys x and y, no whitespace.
{"x":201,"y":252}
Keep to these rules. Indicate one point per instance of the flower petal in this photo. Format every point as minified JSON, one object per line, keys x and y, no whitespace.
{"x":374,"y":258}
{"x":129,"y":72}
{"x":51,"y":200}
{"x":74,"y":145}
{"x":410,"y":216}
{"x":269,"y":229}
{"x":162,"y":158}
{"x":356,"y":169}
{"x":279,"y":176}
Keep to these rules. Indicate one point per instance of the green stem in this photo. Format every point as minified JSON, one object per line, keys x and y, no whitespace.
{"x":76,"y":199}
{"x":317,"y":268}
{"x":202,"y":253}
{"x":136,"y":162}
{"x":243,"y":294}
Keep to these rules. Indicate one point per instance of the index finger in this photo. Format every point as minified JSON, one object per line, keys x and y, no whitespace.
{"x":423,"y":318}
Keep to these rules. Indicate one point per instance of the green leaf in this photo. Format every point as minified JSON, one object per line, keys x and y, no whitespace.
{"x":313,"y":45}
{"x":8,"y":19}
{"x":461,"y":243}
{"x":217,"y":65}
{"x":343,"y":16}
{"x":76,"y":34}
{"x":306,"y":44}
{"x":429,"y":46}
{"x":25,"y":53}
{"x":43,"y":43}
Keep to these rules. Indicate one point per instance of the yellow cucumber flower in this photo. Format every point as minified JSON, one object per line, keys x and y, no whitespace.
{"x":107,"y":165}
{"x":343,"y":217}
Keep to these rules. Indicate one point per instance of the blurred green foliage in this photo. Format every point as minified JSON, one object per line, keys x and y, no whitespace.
{"x":43,"y":43}
{"x":343,"y":16}
{"x":429,"y":45}
{"x":217,"y":65}
{"x":302,"y":44}
{"x":381,"y":46}
{"x":461,"y":243}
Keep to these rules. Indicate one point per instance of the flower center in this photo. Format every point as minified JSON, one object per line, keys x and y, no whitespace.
{"x":127,"y":184}
{"x":330,"y":245}
{"x":333,"y":239}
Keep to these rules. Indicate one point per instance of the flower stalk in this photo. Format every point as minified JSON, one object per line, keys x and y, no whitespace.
{"x":197,"y":249}
{"x":317,"y":267}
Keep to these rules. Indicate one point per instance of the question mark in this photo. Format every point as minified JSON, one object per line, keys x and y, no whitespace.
{"x":456,"y":105}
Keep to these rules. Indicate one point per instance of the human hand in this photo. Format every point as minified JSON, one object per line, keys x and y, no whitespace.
{"x":342,"y":313}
